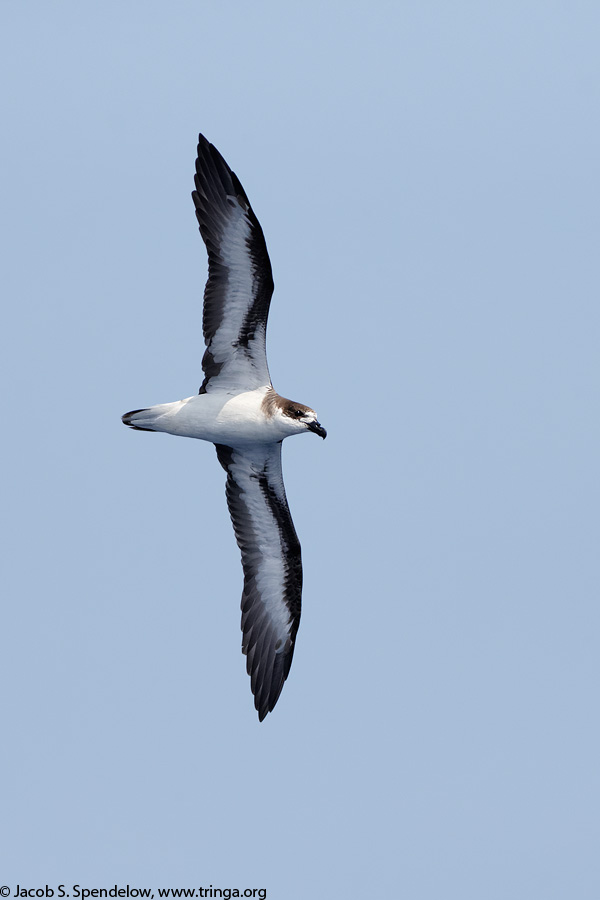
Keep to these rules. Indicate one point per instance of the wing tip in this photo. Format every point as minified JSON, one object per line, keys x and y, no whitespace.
{"x":210,"y":162}
{"x":268,"y":691}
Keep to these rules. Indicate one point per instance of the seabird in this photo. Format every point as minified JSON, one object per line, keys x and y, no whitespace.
{"x":238,"y":410}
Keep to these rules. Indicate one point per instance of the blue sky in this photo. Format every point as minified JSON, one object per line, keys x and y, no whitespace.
{"x":426,"y":177}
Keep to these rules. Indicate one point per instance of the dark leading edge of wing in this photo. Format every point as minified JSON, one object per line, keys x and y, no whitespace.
{"x":272,"y":566}
{"x":240,"y":282}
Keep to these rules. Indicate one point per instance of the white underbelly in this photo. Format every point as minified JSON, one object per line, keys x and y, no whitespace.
{"x":222,"y":420}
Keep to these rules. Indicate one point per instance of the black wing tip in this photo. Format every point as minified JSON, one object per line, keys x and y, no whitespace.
{"x":206,"y":149}
{"x":210,"y":162}
{"x":205,"y":146}
{"x":268,"y":692}
{"x":262,"y":709}
{"x":208,"y":155}
{"x":204,"y":143}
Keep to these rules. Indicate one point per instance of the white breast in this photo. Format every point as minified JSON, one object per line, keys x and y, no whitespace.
{"x":234,"y":420}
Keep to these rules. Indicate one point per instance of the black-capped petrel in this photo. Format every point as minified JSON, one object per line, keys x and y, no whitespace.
{"x":238,"y":410}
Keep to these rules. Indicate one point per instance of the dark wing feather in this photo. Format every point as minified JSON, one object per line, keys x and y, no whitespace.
{"x":240,"y":282}
{"x":272,"y":565}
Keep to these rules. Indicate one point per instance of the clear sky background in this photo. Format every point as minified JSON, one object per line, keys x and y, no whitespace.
{"x":426,"y":174}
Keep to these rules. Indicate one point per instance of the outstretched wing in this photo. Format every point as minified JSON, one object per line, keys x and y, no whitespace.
{"x":272,"y":566}
{"x":240,"y":283}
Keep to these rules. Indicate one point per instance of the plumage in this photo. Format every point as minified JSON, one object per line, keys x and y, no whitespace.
{"x":239,"y":411}
{"x":240,"y":283}
{"x":272,"y":576}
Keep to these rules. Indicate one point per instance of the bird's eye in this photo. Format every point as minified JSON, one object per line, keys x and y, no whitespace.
{"x":297,"y":413}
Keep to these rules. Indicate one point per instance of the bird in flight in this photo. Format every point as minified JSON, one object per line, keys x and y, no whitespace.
{"x":238,"y":410}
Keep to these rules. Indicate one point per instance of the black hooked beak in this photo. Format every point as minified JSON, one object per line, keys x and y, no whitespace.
{"x":318,"y":429}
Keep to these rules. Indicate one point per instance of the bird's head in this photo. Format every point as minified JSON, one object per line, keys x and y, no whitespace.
{"x":302,"y":416}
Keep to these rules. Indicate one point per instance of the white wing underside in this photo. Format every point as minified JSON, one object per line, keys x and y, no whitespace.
{"x":272,"y":566}
{"x":241,"y":366}
{"x":240,"y":283}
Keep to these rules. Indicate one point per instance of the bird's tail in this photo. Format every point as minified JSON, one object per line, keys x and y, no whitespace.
{"x":164,"y":417}
{"x":140,"y":419}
